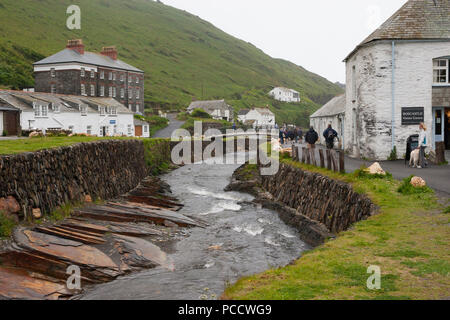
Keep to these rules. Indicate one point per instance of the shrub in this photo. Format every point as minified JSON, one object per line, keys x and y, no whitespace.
{"x":200,"y":113}
{"x":6,"y":226}
{"x":393,"y":155}
{"x":4,"y":133}
{"x":407,"y":188}
{"x":364,"y":174}
{"x":446,"y":210}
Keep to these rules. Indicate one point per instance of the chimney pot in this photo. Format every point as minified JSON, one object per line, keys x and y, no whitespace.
{"x":110,"y":52}
{"x":77,"y":45}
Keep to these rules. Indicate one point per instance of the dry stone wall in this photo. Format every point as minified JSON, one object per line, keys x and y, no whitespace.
{"x":331,"y":202}
{"x":48,"y":179}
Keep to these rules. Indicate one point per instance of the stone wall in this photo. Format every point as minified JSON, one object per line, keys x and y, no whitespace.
{"x":47,"y":179}
{"x":330,"y":202}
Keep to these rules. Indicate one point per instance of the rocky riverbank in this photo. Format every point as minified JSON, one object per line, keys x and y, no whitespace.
{"x":104,"y":241}
{"x":317,"y":206}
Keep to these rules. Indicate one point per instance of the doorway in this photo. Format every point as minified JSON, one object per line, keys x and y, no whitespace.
{"x":447,"y":128}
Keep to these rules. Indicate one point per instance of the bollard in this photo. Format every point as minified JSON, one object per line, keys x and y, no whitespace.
{"x":322,"y":159}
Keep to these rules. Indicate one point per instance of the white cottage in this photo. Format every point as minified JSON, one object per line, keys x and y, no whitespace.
{"x":285,"y":94}
{"x":217,"y":109}
{"x":258,"y":117}
{"x":90,"y":115}
{"x":331,"y":113}
{"x":397,"y":78}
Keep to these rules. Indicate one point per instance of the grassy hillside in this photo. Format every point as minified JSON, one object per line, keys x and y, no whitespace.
{"x":183,"y":56}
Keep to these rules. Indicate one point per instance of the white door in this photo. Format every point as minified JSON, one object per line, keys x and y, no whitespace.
{"x":438,"y":126}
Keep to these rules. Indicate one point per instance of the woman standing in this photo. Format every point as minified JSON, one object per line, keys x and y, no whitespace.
{"x":422,"y":144}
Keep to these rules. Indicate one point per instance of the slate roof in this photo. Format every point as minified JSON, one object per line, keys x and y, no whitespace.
{"x":416,"y":20}
{"x":265,"y":111}
{"x":139,"y":122}
{"x":333,"y":107}
{"x":68,"y":103}
{"x":243,"y":112}
{"x":209,"y":106}
{"x":70,"y":56}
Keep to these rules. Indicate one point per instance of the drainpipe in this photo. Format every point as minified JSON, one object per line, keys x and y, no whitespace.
{"x":393,"y":95}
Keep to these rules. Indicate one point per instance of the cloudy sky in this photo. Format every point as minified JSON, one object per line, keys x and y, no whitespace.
{"x":316,"y":34}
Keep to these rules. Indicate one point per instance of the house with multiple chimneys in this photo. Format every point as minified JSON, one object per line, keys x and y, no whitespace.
{"x":397,"y":78}
{"x":257,"y":117}
{"x":285,"y":94}
{"x":74,"y":71}
{"x":217,"y":109}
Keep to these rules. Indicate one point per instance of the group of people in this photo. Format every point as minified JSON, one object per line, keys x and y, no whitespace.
{"x":291,"y":135}
{"x":311,"y":136}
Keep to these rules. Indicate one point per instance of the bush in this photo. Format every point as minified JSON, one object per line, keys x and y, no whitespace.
{"x":393,"y":155}
{"x":407,"y":188}
{"x":446,"y":210}
{"x":364,"y":174}
{"x":6,"y":226}
{"x":200,"y":113}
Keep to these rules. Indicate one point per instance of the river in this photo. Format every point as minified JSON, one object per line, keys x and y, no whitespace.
{"x":241,"y":239}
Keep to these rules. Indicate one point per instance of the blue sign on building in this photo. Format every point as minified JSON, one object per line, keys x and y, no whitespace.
{"x":112,"y":121}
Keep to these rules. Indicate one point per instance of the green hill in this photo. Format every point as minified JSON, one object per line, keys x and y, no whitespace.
{"x":183,"y":56}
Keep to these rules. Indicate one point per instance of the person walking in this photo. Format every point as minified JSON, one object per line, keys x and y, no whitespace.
{"x":311,"y":138}
{"x":330,"y":134}
{"x":281,"y":135}
{"x":422,"y":145}
{"x":300,"y":134}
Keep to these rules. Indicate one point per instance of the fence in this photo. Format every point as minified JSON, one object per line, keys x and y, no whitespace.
{"x":331,"y":159}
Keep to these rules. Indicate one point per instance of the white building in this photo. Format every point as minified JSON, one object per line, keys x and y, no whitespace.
{"x":217,"y":109}
{"x":285,"y":94}
{"x":331,"y":113}
{"x":258,"y":117}
{"x":397,"y":78}
{"x":90,"y":115}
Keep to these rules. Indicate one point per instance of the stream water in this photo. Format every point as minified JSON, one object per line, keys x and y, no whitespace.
{"x":241,"y":239}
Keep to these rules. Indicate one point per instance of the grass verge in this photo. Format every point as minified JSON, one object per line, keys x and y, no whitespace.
{"x":408,"y":240}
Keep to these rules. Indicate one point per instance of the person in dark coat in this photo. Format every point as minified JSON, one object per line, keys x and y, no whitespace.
{"x":299,"y":134}
{"x":281,"y":137}
{"x":311,"y":138}
{"x":330,"y":134}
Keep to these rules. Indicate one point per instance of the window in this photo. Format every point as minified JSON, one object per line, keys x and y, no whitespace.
{"x":102,"y":111}
{"x":354,"y":83}
{"x":130,"y":130}
{"x":92,"y":73}
{"x":53,"y":72}
{"x":83,"y":72}
{"x":37,"y":110}
{"x":110,"y":91}
{"x":138,"y":94}
{"x":114,"y":92}
{"x":137,"y":79}
{"x":130,"y":93}
{"x":92,"y":90}
{"x":114,"y":76}
{"x":71,"y":128}
{"x":83,"y":110}
{"x":89,"y":130}
{"x":102,"y":91}
{"x":137,"y":107}
{"x":45,"y":111}
{"x":122,"y":78}
{"x":110,"y":76}
{"x":102,"y":75}
{"x":56,"y":107}
{"x":145,"y":129}
{"x":440,"y":71}
{"x":112,"y":111}
{"x":130,"y":106}
{"x":83,"y":90}
{"x":122,"y":93}
{"x":53,"y":88}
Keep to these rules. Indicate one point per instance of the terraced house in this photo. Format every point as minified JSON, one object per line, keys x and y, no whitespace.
{"x":75,"y":71}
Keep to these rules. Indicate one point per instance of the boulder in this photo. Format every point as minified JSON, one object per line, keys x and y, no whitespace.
{"x":9,"y":205}
{"x":37,"y":214}
{"x":88,"y":199}
{"x":418,"y":182}
{"x":376,"y":169}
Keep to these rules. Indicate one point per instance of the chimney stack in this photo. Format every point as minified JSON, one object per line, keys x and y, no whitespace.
{"x":76,"y":45}
{"x":110,"y":52}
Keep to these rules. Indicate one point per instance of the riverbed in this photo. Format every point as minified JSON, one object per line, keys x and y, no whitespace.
{"x":241,"y":239}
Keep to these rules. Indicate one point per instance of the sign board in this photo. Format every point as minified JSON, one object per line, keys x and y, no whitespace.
{"x":412,"y":116}
{"x":112,"y":121}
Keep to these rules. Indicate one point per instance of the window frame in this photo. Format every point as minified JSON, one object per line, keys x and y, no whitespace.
{"x":83,"y":110}
{"x":92,"y":90}
{"x":53,"y":72}
{"x":83,"y":72}
{"x":441,"y":68}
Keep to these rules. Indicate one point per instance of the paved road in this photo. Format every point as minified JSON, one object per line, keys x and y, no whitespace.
{"x":437,"y":177}
{"x":174,"y":124}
